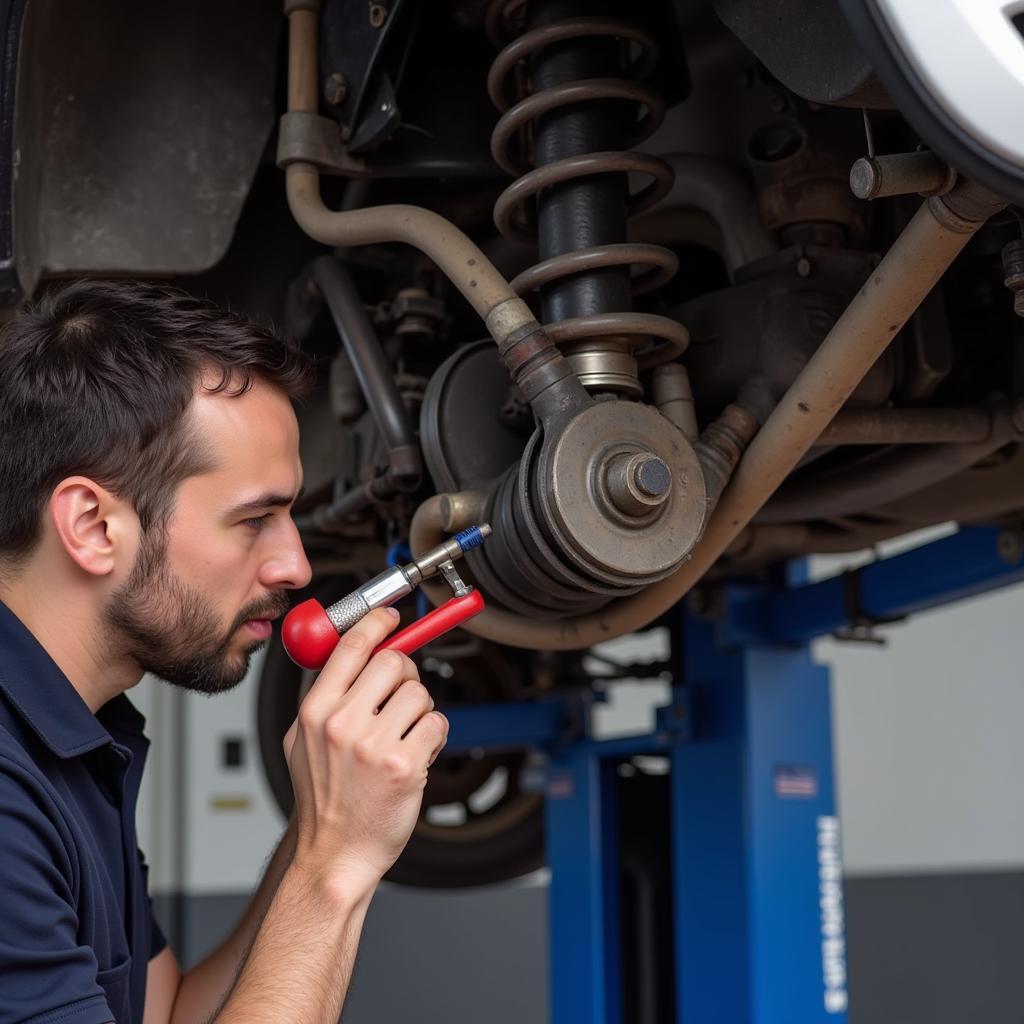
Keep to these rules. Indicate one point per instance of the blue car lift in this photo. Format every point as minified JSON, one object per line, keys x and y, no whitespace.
{"x":756,"y":885}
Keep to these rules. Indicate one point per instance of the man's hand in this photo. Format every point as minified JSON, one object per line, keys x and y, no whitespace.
{"x":358,"y":755}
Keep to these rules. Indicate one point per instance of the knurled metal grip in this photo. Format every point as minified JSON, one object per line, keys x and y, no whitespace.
{"x":344,"y":614}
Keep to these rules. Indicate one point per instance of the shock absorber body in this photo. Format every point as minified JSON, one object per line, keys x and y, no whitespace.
{"x":581,"y":103}
{"x":612,"y":498}
{"x":583,"y":213}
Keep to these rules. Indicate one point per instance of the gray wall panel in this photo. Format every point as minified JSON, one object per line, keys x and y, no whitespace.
{"x":939,"y":949}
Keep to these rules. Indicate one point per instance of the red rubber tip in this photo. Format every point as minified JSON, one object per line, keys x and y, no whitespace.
{"x":308,"y":635}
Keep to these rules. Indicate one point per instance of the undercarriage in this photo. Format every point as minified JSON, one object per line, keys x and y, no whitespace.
{"x":668,"y":294}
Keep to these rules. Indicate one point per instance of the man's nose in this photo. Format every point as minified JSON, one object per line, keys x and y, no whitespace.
{"x":288,"y":566}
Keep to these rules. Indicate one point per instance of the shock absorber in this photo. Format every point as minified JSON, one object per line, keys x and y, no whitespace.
{"x":610,"y":498}
{"x":572,"y":98}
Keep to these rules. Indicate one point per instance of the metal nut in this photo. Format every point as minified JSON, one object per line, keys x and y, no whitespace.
{"x":335,"y":89}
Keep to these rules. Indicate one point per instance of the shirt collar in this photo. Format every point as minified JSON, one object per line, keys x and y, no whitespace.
{"x":44,"y":697}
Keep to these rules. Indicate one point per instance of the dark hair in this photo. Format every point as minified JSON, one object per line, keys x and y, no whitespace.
{"x":95,"y":379}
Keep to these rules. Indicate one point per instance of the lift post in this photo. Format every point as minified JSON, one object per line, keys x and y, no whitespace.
{"x":756,"y":886}
{"x":757,"y":871}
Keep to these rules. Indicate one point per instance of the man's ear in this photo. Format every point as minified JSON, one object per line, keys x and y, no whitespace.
{"x":91,"y":523}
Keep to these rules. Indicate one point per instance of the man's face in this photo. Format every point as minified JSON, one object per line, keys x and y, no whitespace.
{"x":200,"y":598}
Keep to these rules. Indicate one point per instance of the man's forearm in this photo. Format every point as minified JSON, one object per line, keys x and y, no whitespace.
{"x":301,"y":961}
{"x":204,"y":988}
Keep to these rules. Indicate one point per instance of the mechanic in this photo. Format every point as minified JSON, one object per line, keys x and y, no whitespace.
{"x":149,"y":461}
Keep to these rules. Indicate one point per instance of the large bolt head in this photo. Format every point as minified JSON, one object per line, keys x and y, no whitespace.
{"x":637,"y":484}
{"x":652,"y":476}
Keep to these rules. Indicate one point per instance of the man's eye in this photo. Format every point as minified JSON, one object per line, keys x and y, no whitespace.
{"x":257,"y":522}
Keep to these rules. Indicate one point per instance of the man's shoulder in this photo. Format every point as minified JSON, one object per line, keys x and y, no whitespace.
{"x":19,"y":756}
{"x":25,"y":787}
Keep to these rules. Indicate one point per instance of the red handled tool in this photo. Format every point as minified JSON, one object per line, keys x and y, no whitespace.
{"x":436,"y":623}
{"x":310,"y":632}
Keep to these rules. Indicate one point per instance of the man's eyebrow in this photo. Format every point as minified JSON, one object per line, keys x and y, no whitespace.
{"x":268,"y":500}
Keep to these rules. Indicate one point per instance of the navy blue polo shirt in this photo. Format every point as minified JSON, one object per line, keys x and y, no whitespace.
{"x":76,"y":923}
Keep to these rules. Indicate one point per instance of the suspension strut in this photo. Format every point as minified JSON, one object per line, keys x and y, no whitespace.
{"x":611,"y":498}
{"x":572,"y":97}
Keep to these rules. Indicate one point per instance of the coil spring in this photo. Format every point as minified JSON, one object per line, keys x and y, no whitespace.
{"x":512,"y":214}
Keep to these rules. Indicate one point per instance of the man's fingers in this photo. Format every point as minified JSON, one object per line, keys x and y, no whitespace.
{"x":437,"y":750}
{"x":384,"y":673}
{"x":406,"y":706}
{"x":429,"y":735}
{"x":350,"y":656}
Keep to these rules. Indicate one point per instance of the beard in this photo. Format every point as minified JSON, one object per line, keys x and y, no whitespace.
{"x":173,"y":632}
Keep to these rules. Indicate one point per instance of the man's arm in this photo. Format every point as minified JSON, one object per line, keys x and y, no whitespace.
{"x":358,"y":755}
{"x":196,"y":995}
{"x":300,"y":965}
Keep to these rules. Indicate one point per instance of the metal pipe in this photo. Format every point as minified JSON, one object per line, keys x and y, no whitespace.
{"x":990,"y":491}
{"x":967,"y":425}
{"x":896,"y":472}
{"x":331,"y":518}
{"x":899,"y":174}
{"x":457,"y":257}
{"x":881,"y":477}
{"x":371,"y":367}
{"x":761,"y":545}
{"x":910,"y":269}
{"x":534,"y":363}
{"x":721,"y":447}
{"x":672,"y":394}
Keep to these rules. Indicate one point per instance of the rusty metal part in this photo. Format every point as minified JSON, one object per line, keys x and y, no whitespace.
{"x":582,"y":516}
{"x":772,"y":322}
{"x":600,"y":364}
{"x":910,"y":269}
{"x":962,"y":209}
{"x":416,"y":314}
{"x":613,"y":502}
{"x":720,"y":448}
{"x":536,"y":366}
{"x":1013,"y":272}
{"x":811,"y":188}
{"x":966,"y":425}
{"x":672,"y":394}
{"x":900,"y":174}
